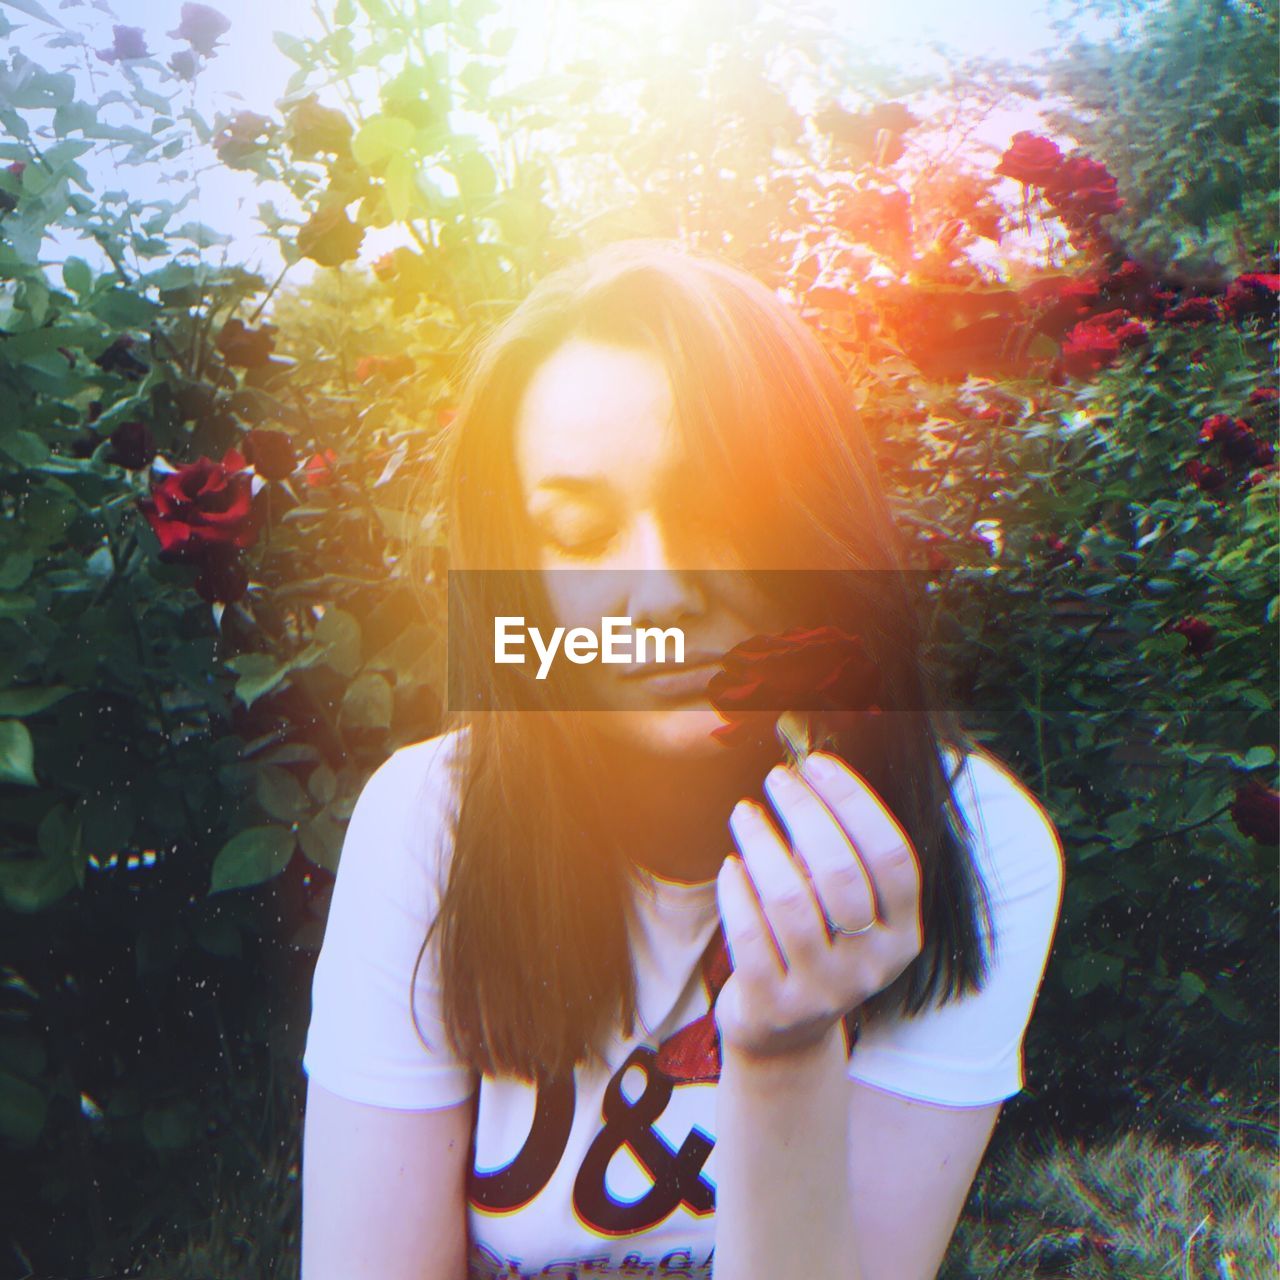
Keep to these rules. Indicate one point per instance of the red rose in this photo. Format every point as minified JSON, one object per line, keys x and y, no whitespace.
{"x":329,"y":237}
{"x":1199,"y":635}
{"x":1261,"y":476}
{"x":1193,"y":311}
{"x":314,"y":128}
{"x":1256,"y":812}
{"x":1264,"y":395}
{"x":1231,"y":435}
{"x":202,"y":505}
{"x":321,"y":469}
{"x":820,"y":669}
{"x":129,"y":42}
{"x":119,"y":358}
{"x":132,"y":446}
{"x":243,"y":135}
{"x":1083,"y":189}
{"x":1208,"y":479}
{"x":200,"y":28}
{"x":243,"y":347}
{"x":1030,"y":159}
{"x":1252,"y":294}
{"x":1097,"y":343}
{"x":271,"y":454}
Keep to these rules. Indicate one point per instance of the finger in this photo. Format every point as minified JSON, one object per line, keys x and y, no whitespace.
{"x":788,"y":903}
{"x":841,"y":883}
{"x":885,"y":848}
{"x":746,"y":931}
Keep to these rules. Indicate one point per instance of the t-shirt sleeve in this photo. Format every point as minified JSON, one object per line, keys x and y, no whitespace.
{"x":361,"y":1040}
{"x":969,"y":1052}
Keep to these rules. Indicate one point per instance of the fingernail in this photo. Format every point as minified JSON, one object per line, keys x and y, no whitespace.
{"x":821,"y":768}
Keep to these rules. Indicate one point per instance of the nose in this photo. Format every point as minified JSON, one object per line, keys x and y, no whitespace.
{"x":657,"y":589}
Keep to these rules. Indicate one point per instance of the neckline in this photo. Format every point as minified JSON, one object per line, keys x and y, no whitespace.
{"x":680,"y":895}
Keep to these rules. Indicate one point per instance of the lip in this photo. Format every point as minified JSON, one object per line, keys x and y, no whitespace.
{"x":652,"y":671}
{"x":688,"y":680}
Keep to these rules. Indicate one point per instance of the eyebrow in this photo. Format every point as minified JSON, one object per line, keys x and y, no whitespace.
{"x":580,"y":484}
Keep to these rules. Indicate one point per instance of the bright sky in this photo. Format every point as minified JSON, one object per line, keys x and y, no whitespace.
{"x":251,"y":73}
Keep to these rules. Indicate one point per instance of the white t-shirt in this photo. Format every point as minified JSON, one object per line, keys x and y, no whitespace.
{"x":614,"y":1175}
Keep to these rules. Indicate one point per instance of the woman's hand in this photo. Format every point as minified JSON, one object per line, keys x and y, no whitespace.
{"x":849,"y":859}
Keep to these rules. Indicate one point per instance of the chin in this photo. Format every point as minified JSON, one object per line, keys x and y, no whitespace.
{"x":680,"y":731}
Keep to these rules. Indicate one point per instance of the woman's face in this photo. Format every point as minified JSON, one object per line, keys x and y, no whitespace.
{"x":607,"y":494}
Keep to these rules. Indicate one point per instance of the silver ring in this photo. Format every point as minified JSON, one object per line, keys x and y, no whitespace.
{"x":849,"y":933}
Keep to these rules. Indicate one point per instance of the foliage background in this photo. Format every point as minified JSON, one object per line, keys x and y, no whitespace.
{"x":187,"y":714}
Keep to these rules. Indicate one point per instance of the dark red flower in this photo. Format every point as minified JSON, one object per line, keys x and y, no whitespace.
{"x":241,"y":138}
{"x":1030,"y":159}
{"x":201,"y":505}
{"x":1252,"y":294}
{"x":129,"y":42}
{"x":183,"y":64}
{"x":820,"y":669}
{"x":1261,"y":475}
{"x":1082,"y":189}
{"x":1131,"y":286}
{"x":329,"y":237}
{"x":321,"y":469}
{"x":1199,"y":635}
{"x":1193,"y":311}
{"x":1264,"y":453}
{"x":222,"y":578}
{"x":119,"y":358}
{"x":200,"y":27}
{"x":314,"y":128}
{"x":246,"y":348}
{"x":132,"y":446}
{"x":1097,"y":343}
{"x":1207,"y":478}
{"x":271,"y":454}
{"x":1197,"y":357}
{"x":1232,"y":436}
{"x":1256,"y":812}
{"x":1264,"y":395}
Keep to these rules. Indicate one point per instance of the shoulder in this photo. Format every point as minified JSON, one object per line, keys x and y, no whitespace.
{"x":404,"y":814}
{"x":1015,"y":842}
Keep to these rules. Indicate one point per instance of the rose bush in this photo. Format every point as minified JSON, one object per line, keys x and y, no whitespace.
{"x":215,"y":538}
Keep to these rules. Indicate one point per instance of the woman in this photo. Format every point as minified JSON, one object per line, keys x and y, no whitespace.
{"x":555,"y":1030}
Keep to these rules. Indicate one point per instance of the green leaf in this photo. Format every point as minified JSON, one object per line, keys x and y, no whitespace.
{"x":29,"y":885}
{"x":367,"y":702}
{"x":379,"y":138}
{"x":1083,"y":974}
{"x":28,"y":701}
{"x":22,"y":1110}
{"x":259,"y":673}
{"x":322,"y":785}
{"x":251,"y":857}
{"x":77,"y":276}
{"x":1190,"y":987}
{"x":399,"y":184}
{"x":1257,"y":757}
{"x":123,"y":309}
{"x":17,"y":754}
{"x":281,"y":794}
{"x":339,"y":632}
{"x":321,"y":841}
{"x":33,"y":10}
